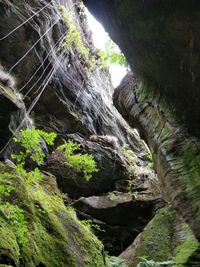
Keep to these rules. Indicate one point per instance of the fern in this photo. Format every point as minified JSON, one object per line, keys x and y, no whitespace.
{"x":30,"y":141}
{"x":5,"y":187}
{"x":152,"y":263}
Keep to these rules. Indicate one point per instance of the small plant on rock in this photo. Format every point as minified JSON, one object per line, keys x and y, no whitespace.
{"x":30,"y":142}
{"x":5,"y":184}
{"x":79,"y":162}
{"x":73,"y":37}
{"x":91,"y":225}
{"x":129,"y":156}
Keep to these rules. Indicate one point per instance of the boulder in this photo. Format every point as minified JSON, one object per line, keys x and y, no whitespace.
{"x":166,"y":237}
{"x":111,"y":168}
{"x":120,"y":217}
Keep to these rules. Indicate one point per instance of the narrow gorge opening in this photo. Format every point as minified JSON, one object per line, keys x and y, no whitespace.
{"x":79,"y":186}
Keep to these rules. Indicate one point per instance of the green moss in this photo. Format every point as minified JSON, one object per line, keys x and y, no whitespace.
{"x":129,"y":156}
{"x":186,"y":249}
{"x":156,"y":240}
{"x":73,"y":36}
{"x":15,"y":216}
{"x":75,"y":40}
{"x":177,"y":151}
{"x":8,"y":242}
{"x":190,"y":158}
{"x":55,"y":236}
{"x":166,"y":237}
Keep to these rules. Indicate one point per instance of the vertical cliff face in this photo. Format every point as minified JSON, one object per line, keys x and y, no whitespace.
{"x":161,"y":99}
{"x":60,"y":81}
{"x":67,"y":89}
{"x":161,"y":43}
{"x":175,"y":153}
{"x":47,"y":47}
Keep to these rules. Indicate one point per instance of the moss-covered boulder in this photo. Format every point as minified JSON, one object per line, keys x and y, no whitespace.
{"x":37,"y":229}
{"x":166,"y":237}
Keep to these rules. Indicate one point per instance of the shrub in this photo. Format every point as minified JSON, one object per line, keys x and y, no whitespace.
{"x":79,"y":162}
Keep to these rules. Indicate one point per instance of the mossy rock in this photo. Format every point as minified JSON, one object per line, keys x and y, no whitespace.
{"x":166,"y":237}
{"x":51,"y":234}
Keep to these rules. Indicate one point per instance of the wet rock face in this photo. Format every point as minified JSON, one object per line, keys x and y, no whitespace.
{"x":67,"y":92}
{"x":112,"y":168}
{"x":12,"y":110}
{"x":161,"y":42}
{"x":176,"y":154}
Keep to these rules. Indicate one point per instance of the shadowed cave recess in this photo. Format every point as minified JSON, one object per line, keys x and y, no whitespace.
{"x":143,"y":200}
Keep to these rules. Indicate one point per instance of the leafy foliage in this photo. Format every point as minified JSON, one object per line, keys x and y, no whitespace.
{"x":112,"y":261}
{"x":112,"y":55}
{"x":15,"y":215}
{"x":80,"y":162}
{"x":30,"y":140}
{"x":91,"y":225}
{"x":151,"y":263}
{"x":112,"y":196}
{"x":5,"y":187}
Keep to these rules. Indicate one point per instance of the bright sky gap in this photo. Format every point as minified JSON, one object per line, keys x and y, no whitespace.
{"x":100,"y":38}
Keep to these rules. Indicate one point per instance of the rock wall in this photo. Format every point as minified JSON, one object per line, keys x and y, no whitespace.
{"x":66,"y":93}
{"x":175,"y":153}
{"x":166,"y":236}
{"x":161,"y":43}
